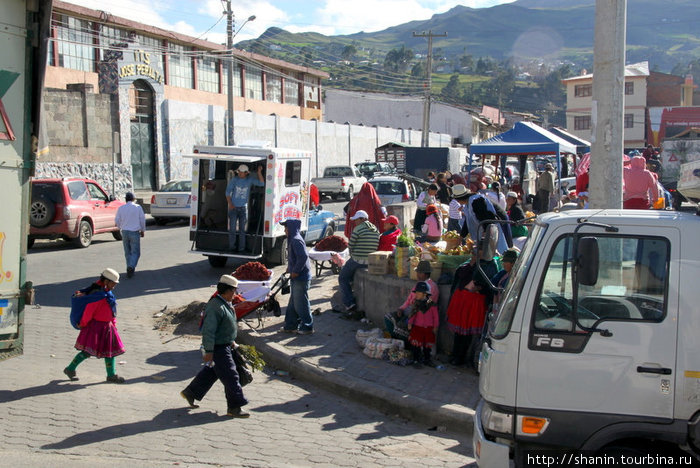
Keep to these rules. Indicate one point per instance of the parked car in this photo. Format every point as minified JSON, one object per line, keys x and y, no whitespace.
{"x":368,"y":168}
{"x":393,"y":189}
{"x":339,"y":181}
{"x":73,"y":209}
{"x":321,"y":224}
{"x":172,"y":202}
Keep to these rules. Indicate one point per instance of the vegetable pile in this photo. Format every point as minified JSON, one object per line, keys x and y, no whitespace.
{"x":331,"y":244}
{"x":403,"y":241}
{"x":252,"y":271}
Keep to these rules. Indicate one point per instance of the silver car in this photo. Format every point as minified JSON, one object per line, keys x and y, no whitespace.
{"x":393,"y":189}
{"x":172,"y":202}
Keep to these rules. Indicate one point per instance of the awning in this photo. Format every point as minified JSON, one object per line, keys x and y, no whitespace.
{"x":225,"y":157}
{"x":582,"y":146}
{"x":524,"y":138}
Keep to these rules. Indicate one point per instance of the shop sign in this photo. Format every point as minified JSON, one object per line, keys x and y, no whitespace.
{"x":141,"y":67}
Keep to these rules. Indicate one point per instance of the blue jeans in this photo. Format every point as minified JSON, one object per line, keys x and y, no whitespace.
{"x":298,"y":314}
{"x":238,"y":215}
{"x":132,"y":247}
{"x":345,"y":280}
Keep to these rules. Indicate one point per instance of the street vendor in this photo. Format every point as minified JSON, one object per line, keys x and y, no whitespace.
{"x":363,"y":241}
{"x":426,"y":198}
{"x":388,"y":239}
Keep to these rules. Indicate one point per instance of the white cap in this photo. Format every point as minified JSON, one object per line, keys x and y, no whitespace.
{"x":242,"y":168}
{"x":512,"y":195}
{"x":228,"y":279}
{"x":359,"y":214}
{"x":111,"y":274}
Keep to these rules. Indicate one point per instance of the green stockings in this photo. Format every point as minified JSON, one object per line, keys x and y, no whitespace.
{"x":81,"y":356}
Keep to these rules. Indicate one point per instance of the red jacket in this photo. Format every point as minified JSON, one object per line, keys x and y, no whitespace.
{"x":387,"y":241}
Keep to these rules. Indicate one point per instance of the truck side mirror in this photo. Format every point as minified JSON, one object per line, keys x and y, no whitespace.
{"x":588,"y":260}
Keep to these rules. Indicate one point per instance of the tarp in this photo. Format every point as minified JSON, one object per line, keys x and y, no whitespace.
{"x":582,"y":146}
{"x":524,"y":138}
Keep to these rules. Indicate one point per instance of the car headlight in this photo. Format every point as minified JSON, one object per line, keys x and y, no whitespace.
{"x":496,"y":421}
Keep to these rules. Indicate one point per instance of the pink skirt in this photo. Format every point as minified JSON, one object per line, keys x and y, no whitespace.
{"x":100,"y":339}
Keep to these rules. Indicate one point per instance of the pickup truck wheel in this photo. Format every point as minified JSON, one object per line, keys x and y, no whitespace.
{"x":41,"y":212}
{"x":278,"y":256}
{"x":84,"y":238}
{"x":351,"y":193}
{"x":216,"y":261}
{"x":117,"y":235}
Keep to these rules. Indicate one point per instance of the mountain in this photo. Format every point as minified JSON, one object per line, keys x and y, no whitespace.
{"x":663,"y":32}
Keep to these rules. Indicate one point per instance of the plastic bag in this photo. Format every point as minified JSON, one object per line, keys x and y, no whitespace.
{"x":375,"y":347}
{"x":363,"y":335}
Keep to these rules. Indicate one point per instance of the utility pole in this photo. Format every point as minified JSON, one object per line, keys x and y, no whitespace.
{"x":229,"y":66}
{"x":607,"y":109}
{"x":425,"y":137}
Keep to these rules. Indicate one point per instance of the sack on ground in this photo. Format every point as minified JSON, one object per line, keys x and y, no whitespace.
{"x":375,"y":347}
{"x":363,"y":335}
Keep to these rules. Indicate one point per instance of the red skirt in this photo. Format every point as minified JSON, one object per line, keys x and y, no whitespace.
{"x":422,"y":336}
{"x":466,"y":313}
{"x":636,"y":204}
{"x":100,"y":339}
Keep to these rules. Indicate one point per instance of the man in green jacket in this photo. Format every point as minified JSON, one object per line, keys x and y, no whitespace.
{"x":219,"y":330}
{"x":363,"y":241}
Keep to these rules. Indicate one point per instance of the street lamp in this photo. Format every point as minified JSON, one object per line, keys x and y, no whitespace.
{"x":229,"y":45}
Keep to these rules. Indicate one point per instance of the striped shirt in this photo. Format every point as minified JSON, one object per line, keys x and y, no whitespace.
{"x":456,"y":210}
{"x":363,"y":241}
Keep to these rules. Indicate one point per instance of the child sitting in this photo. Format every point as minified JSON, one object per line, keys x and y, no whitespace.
{"x":423,"y":325}
{"x":396,"y":322}
{"x":432,"y":229}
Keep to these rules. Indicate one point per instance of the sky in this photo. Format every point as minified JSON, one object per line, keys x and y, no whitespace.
{"x":205,"y":19}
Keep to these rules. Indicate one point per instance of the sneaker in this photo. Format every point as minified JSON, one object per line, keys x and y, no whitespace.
{"x":305,"y":332}
{"x":116,"y":379}
{"x":187,"y":395}
{"x":237,"y":413}
{"x":70,"y":373}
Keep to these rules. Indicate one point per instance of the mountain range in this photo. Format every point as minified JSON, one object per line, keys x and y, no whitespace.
{"x":664,"y":32}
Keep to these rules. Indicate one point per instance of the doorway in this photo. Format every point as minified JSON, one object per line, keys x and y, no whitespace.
{"x":141,"y":110}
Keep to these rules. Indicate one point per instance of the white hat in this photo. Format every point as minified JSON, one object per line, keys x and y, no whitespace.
{"x":228,"y":279}
{"x":512,"y":195}
{"x":111,"y":274}
{"x":242,"y":168}
{"x":459,"y":191}
{"x":359,"y":214}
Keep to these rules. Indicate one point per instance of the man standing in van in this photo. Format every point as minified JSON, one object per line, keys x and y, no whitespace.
{"x":237,"y":193}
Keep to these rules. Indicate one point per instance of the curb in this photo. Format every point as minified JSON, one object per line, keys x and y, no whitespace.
{"x":388,"y":401}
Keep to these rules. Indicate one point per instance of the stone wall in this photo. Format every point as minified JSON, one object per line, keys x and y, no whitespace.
{"x":101,"y":173}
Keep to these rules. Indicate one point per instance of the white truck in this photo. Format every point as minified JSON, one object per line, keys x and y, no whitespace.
{"x":595,"y":351}
{"x":285,"y":195}
{"x":339,"y":181}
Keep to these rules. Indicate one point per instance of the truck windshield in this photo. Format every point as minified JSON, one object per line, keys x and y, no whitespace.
{"x":504,"y":318}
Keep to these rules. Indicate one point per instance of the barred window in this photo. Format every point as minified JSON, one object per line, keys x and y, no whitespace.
{"x":311,"y":100}
{"x":111,"y":39}
{"x":236,"y":78}
{"x":273,"y":88}
{"x":207,"y":74}
{"x":291,"y":89}
{"x":629,"y":87}
{"x":629,"y":120}
{"x":180,"y":66}
{"x":583,"y":90}
{"x":582,"y":122}
{"x":74,"y":42}
{"x":253,"y":83}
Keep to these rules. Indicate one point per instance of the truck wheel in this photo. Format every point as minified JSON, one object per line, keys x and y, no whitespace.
{"x":84,"y":238}
{"x":41,"y":212}
{"x":117,"y":235}
{"x":351,"y":193}
{"x":216,"y":261}
{"x":278,"y":256}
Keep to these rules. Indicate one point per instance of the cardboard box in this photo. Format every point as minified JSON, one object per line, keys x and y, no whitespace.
{"x":378,"y":263}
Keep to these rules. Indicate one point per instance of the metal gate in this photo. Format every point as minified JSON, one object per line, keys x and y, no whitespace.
{"x":142,"y":142}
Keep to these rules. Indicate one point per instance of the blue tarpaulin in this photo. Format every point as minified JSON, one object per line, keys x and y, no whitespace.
{"x":524,"y":138}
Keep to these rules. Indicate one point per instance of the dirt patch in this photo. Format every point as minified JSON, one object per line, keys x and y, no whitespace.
{"x":181,"y":321}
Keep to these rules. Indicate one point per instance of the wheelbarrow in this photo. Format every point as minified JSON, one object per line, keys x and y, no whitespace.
{"x":263,"y":300}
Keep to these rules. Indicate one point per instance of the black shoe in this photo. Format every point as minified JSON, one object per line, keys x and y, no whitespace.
{"x":70,"y":373}
{"x":237,"y":413}
{"x":116,"y":379}
{"x":187,"y":395}
{"x":129,"y":272}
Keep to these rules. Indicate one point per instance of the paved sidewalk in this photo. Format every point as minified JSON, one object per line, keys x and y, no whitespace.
{"x":331,"y":358}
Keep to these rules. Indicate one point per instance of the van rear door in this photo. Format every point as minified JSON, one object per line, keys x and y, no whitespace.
{"x":563,"y":367}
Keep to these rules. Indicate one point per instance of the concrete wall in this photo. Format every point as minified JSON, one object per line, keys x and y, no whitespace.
{"x":101,"y":173}
{"x":394,"y":292}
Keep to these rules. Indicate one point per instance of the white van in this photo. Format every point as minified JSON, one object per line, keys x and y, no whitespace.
{"x":285,"y":195}
{"x":595,"y":349}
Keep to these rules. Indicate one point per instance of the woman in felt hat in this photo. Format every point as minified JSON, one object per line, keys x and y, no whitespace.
{"x":219,"y":331}
{"x":98,"y":325}
{"x":388,"y":239}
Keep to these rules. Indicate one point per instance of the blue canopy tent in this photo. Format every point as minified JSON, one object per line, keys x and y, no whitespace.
{"x":524,"y":139}
{"x":582,"y":146}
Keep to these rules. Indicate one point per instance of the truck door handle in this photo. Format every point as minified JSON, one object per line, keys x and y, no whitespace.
{"x":654,"y":370}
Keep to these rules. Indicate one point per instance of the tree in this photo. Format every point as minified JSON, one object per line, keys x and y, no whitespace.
{"x":452,"y":91}
{"x":466,"y":61}
{"x":418,"y":70}
{"x":348,"y":52}
{"x":397,"y":60}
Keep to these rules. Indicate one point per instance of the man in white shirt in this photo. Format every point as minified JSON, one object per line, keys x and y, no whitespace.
{"x":132,"y":222}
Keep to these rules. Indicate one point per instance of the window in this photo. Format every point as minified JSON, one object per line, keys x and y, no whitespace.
{"x":74,"y":42}
{"x":631,"y":285}
{"x":292,"y":174}
{"x":311,"y":93}
{"x":111,"y":38}
{"x":273,"y":88}
{"x":629,"y":87}
{"x":77,"y":190}
{"x":253,"y":83}
{"x":389,"y":187}
{"x":96,"y":193}
{"x":236,"y":78}
{"x":582,"y":122}
{"x":629,"y":120}
{"x":180,"y":73}
{"x":340,"y":171}
{"x":291,"y":90}
{"x":207,"y":75}
{"x":583,"y":90}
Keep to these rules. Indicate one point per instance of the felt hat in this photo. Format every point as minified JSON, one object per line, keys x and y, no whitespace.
{"x":228,"y":279}
{"x":422,"y":287}
{"x":424,"y":267}
{"x":111,"y":274}
{"x":459,"y":191}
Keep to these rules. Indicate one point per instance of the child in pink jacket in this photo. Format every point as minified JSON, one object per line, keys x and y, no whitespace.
{"x":423,"y":325}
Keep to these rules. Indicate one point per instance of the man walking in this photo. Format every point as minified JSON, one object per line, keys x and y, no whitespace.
{"x":363,"y":241}
{"x":131,"y":221}
{"x":237,"y":193}
{"x":545,"y":187}
{"x":297,"y":318}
